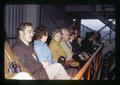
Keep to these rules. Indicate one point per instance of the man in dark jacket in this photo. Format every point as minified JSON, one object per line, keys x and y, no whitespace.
{"x":23,"y":50}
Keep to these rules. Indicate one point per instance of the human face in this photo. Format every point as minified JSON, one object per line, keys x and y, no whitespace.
{"x":76,"y":33}
{"x":44,"y":38}
{"x":27,"y":34}
{"x":58,"y":36}
{"x":66,"y":35}
{"x":72,"y":37}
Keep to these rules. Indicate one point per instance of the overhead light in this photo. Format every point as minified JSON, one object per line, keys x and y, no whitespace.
{"x":74,"y":19}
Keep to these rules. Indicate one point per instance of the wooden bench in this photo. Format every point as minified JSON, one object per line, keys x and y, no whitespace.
{"x":8,"y":53}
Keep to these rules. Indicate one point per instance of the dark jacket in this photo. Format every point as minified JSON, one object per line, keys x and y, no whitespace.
{"x":24,"y":53}
{"x":87,"y":46}
{"x":76,"y":47}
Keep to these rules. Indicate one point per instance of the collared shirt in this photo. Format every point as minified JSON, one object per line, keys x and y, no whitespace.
{"x":43,"y":52}
{"x":66,"y":46}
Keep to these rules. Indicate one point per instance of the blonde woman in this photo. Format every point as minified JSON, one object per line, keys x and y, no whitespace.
{"x":55,"y":46}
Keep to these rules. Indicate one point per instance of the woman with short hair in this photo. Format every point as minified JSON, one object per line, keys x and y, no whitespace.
{"x":55,"y":46}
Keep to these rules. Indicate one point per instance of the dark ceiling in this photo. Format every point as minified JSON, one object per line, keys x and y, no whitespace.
{"x":88,"y":11}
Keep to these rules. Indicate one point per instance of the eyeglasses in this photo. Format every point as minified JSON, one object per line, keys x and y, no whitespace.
{"x":30,"y":32}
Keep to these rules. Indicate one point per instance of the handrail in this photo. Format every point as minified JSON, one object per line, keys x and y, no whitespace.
{"x":84,"y":68}
{"x":105,"y":36}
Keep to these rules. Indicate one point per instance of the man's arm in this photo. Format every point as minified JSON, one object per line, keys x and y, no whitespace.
{"x":31,"y":64}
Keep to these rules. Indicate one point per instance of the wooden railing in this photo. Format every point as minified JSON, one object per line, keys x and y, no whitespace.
{"x":92,"y":64}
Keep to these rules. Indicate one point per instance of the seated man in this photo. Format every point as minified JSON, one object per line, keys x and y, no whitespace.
{"x":12,"y":67}
{"x":54,"y":70}
{"x":23,"y":50}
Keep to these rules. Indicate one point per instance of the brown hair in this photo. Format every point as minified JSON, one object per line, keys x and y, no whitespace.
{"x":40,"y":31}
{"x":57,"y":30}
{"x":22,"y":26}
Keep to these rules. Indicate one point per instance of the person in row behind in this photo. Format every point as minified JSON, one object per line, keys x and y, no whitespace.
{"x":87,"y":44}
{"x":55,"y":46}
{"x":78,"y":37}
{"x":78,"y":54}
{"x":54,"y":70}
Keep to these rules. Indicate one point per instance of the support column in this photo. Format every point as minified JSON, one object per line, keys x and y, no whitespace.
{"x":32,"y":14}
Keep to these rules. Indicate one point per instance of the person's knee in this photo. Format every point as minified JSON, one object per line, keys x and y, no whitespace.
{"x":22,"y":76}
{"x":59,"y":65}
